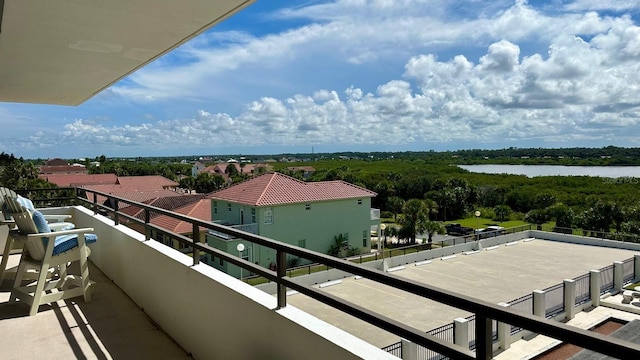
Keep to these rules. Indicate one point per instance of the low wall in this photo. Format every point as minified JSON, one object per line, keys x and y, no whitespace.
{"x":208,"y":313}
{"x":584,"y":240}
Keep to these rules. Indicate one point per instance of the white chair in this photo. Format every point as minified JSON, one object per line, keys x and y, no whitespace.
{"x":45,"y":251}
{"x":13,"y":245}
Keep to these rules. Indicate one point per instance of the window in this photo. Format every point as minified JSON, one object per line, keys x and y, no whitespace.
{"x":307,"y":207}
{"x":253,"y":215}
{"x":215,"y":207}
{"x":221,"y":261}
{"x":229,"y":207}
{"x":302,"y":243}
{"x":268,"y":215}
{"x":359,"y":201}
{"x":364,"y":238}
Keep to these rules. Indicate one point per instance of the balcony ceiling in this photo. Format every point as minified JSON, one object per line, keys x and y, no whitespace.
{"x":65,"y":51}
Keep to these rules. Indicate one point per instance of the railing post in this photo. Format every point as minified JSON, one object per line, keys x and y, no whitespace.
{"x":595,"y":284}
{"x":636,"y":267}
{"x":461,"y":332}
{"x":95,"y":203}
{"x":504,"y":331}
{"x":281,"y":264}
{"x":484,"y":344}
{"x":147,"y":229}
{"x":115,"y":212}
{"x":569,"y":298}
{"x":196,"y":238}
{"x":618,"y":275}
{"x":409,"y":350}
{"x":539,"y":303}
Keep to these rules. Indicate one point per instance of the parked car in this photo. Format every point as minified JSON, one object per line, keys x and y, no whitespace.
{"x":455,"y":229}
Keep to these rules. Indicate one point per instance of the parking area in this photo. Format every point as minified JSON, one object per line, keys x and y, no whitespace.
{"x":499,"y":275}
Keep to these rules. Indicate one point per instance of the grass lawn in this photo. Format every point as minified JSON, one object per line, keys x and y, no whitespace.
{"x":484,"y":222}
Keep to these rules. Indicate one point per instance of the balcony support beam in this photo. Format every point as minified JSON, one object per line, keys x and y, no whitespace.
{"x":281,"y":262}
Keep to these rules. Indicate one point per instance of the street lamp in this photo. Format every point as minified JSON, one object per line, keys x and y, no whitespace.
{"x":240,"y":249}
{"x":383,"y":227}
{"x":477,"y":225}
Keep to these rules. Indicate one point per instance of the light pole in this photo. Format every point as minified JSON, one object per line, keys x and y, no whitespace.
{"x":383,"y":227}
{"x":477,"y":225}
{"x":240,"y":249}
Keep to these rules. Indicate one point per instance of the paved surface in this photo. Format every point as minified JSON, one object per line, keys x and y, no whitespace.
{"x":111,"y":326}
{"x":500,"y":275}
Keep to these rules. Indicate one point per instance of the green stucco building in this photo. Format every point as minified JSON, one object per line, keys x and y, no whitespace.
{"x":305,"y":214}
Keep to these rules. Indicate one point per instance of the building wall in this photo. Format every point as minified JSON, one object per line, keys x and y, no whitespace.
{"x":311,"y":225}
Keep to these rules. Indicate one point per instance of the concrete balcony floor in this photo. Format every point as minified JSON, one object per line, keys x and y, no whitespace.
{"x":111,"y":326}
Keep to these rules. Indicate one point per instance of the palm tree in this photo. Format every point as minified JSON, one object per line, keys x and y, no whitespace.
{"x":415,"y":216}
{"x":432,"y":227}
{"x":432,"y":208}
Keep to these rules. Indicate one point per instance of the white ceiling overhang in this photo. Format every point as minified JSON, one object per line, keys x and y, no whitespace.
{"x":66,"y":51}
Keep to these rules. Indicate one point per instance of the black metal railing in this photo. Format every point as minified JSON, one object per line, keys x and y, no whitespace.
{"x":524,"y":304}
{"x":554,"y":300}
{"x":607,"y":284}
{"x":583,"y":289}
{"x":485,"y":313}
{"x":394,"y":349}
{"x":628,"y":270}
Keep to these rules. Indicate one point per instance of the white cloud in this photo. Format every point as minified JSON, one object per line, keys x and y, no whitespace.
{"x":521,"y":72}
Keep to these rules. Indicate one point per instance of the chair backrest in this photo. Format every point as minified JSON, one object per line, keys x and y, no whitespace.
{"x":25,"y":220}
{"x":5,"y":192}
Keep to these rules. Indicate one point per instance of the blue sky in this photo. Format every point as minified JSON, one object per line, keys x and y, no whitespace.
{"x":365,"y":75}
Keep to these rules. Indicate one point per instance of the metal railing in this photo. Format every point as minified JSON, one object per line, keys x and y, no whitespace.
{"x":485,"y":312}
{"x":394,"y":349}
{"x":524,"y":304}
{"x":583,"y":289}
{"x":554,"y":300}
{"x":628,"y":270}
{"x":445,"y":333}
{"x":607,"y":279}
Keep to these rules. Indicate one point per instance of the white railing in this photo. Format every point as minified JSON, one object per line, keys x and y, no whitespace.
{"x":375,"y":214}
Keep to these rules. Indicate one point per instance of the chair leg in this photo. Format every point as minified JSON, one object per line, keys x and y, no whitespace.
{"x":4,"y":232}
{"x":84,"y":272}
{"x":22,"y":269}
{"x":37,"y":295}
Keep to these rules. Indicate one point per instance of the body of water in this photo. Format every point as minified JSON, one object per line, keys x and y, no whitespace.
{"x":557,"y":170}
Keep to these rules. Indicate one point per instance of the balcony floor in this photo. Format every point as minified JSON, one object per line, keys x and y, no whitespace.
{"x":111,"y":326}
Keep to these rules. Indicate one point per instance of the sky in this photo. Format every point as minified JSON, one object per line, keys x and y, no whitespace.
{"x":296,"y":76}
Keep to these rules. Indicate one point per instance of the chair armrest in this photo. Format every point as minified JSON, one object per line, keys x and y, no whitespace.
{"x":57,"y":218}
{"x":65,"y":232}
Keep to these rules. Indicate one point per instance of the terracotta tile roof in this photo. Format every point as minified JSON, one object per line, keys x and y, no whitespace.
{"x":199,"y":210}
{"x":135,"y":195}
{"x":145,"y":182}
{"x":63,"y":169}
{"x":65,"y":180}
{"x":169,"y":201}
{"x":278,"y":189}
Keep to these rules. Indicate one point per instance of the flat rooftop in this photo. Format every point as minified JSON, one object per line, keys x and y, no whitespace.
{"x":500,"y":275}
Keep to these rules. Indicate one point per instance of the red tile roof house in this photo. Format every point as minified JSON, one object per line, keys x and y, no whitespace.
{"x":305,"y":214}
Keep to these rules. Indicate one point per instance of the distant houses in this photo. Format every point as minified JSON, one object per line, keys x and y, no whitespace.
{"x":312,"y":215}
{"x":59,"y":166}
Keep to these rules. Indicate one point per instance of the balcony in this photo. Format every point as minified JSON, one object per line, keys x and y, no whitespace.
{"x":250,"y":228}
{"x":186,"y":307}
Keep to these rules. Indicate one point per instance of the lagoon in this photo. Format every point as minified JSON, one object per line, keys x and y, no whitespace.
{"x":556,"y":170}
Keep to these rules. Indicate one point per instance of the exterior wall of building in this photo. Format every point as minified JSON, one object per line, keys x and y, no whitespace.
{"x":311,"y":225}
